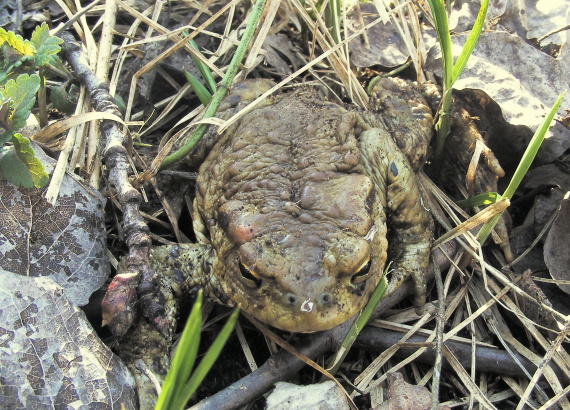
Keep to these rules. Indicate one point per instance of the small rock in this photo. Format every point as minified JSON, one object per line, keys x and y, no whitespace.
{"x":322,"y":396}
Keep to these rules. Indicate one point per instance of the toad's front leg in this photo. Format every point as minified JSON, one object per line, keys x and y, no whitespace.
{"x":399,"y":209}
{"x":183,"y":268}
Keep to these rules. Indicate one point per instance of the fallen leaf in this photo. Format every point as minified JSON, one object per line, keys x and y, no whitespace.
{"x":557,"y":246}
{"x":385,"y":45}
{"x":65,"y":242}
{"x":522,"y":80}
{"x":50,"y":355}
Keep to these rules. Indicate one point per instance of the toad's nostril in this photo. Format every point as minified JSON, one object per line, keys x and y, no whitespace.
{"x":325,"y":298}
{"x":291,"y":299}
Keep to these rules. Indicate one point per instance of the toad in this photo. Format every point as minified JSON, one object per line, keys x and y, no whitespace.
{"x":302,"y":202}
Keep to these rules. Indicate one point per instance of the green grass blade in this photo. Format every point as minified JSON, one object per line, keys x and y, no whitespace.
{"x":204,"y":70}
{"x":207,"y":361}
{"x":224,"y":86}
{"x":201,"y":92}
{"x":184,"y":359}
{"x":436,"y":12}
{"x":332,"y":19}
{"x":471,"y":42}
{"x":358,"y":324}
{"x":439,"y":15}
{"x":524,"y":165}
{"x":532,"y":149}
{"x":485,"y":199}
{"x":487,"y":228}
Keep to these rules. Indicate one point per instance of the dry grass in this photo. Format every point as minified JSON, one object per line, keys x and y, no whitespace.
{"x":476,"y":296}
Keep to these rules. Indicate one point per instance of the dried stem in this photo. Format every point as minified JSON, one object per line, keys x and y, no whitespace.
{"x":440,"y":318}
{"x":119,"y":303}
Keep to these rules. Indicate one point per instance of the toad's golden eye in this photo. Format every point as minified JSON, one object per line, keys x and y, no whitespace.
{"x":249,"y":275}
{"x":362,"y":272}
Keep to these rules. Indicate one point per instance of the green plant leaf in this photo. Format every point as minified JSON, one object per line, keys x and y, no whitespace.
{"x":201,"y":92}
{"x":20,"y":166}
{"x":207,"y":361}
{"x":14,"y":170}
{"x":120,"y":103}
{"x":439,"y":15}
{"x":62,"y":101}
{"x":225,"y":84}
{"x":363,"y":317}
{"x":524,"y":165}
{"x":183,"y":360}
{"x":487,"y":198}
{"x":203,"y":68}
{"x":12,"y":64}
{"x":25,"y":152}
{"x":178,"y":385}
{"x":471,"y":41}
{"x":4,"y":111}
{"x":47,"y":46}
{"x":532,"y":149}
{"x":22,"y":95}
{"x":16,"y":42}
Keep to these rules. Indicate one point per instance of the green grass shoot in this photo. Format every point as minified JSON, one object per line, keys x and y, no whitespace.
{"x":224,"y":87}
{"x":524,"y":165}
{"x":358,"y":325}
{"x":451,"y":70}
{"x":180,"y":383}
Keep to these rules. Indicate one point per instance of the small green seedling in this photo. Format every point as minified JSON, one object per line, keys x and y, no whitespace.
{"x":22,"y":73}
{"x":451,"y":70}
{"x":204,"y":94}
{"x":180,"y":382}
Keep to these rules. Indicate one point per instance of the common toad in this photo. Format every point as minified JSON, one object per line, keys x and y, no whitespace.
{"x":301,"y":203}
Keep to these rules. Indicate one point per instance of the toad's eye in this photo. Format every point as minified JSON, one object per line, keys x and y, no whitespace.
{"x":248,"y":274}
{"x":362,"y":272}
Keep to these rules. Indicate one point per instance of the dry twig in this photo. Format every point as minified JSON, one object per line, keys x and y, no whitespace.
{"x":121,"y":295}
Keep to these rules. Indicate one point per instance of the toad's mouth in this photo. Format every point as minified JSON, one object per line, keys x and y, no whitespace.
{"x":310,"y":309}
{"x":307,"y":316}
